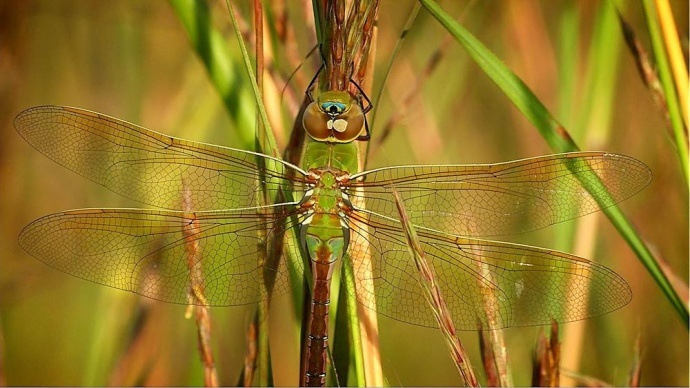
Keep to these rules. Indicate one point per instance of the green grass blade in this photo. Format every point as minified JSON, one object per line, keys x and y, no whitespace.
{"x":664,"y":69}
{"x":555,"y":135}
{"x":216,"y":57}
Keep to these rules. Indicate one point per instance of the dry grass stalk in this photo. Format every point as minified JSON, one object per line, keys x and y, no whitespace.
{"x":494,"y":336}
{"x":488,"y":360}
{"x":636,"y":367}
{"x":495,"y":358}
{"x":546,"y":371}
{"x":584,"y":381}
{"x":678,"y":284}
{"x":433,"y":295}
{"x":250,"y":357}
{"x":645,"y":68}
{"x":197,"y":300}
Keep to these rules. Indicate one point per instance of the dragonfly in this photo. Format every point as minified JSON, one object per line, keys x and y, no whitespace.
{"x":207,"y":234}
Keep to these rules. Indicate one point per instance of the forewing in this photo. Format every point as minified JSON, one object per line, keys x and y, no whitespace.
{"x":503,"y":198}
{"x":485,"y":283}
{"x":164,"y":255}
{"x":148,"y":166}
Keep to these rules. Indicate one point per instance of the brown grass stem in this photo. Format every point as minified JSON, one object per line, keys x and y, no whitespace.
{"x":646,"y":69}
{"x":677,"y":282}
{"x":583,"y":380}
{"x":251,"y":355}
{"x":434,"y":297}
{"x":488,"y":360}
{"x":495,"y":358}
{"x":494,"y":336}
{"x":197,"y":300}
{"x":547,"y":357}
{"x":636,"y":368}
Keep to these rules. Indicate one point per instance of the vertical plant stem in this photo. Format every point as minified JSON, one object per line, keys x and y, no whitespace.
{"x":263,"y":352}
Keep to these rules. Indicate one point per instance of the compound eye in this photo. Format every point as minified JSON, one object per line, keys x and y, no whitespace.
{"x":351,"y":124}
{"x":315,"y":122}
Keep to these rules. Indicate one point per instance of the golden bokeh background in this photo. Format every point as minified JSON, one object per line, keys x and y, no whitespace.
{"x":132,"y":60}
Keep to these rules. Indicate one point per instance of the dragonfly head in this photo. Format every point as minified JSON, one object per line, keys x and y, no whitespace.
{"x":335,"y":117}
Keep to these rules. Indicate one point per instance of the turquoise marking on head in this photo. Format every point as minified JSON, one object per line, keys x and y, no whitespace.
{"x":328,"y":105}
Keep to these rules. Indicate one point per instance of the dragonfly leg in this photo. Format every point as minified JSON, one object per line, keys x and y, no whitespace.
{"x":365,"y":110}
{"x":313,"y":82}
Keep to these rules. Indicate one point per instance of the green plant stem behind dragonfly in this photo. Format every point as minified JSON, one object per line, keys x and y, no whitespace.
{"x":215,"y":189}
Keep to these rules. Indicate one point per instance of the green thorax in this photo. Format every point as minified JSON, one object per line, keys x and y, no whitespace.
{"x":340,"y":156}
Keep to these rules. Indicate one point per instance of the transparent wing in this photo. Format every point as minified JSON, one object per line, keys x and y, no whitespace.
{"x":148,"y":166}
{"x":484,"y":283}
{"x":503,"y":198}
{"x":163,"y":254}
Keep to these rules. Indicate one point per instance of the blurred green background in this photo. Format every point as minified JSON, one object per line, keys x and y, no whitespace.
{"x":132,"y":60}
